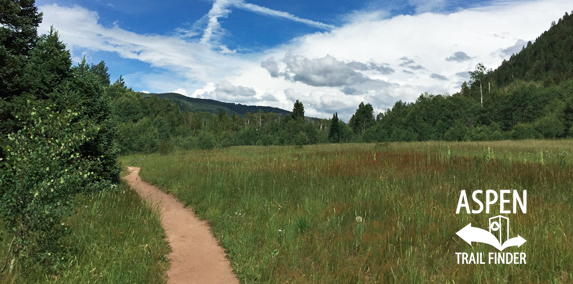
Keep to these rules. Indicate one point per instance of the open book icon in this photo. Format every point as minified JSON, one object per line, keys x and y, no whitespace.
{"x":477,"y":235}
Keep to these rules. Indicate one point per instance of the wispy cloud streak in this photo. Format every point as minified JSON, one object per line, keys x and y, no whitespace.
{"x":221,"y":9}
{"x":274,"y":13}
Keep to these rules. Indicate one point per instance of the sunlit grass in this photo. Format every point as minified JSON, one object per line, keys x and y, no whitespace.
{"x":115,"y":238}
{"x":373,"y":213}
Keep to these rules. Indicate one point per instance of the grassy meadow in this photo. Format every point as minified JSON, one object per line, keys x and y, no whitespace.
{"x":115,"y":238}
{"x":374,"y":213}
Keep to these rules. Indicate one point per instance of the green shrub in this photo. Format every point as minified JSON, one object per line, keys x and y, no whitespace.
{"x":524,"y":131}
{"x":205,"y":141}
{"x":226,"y":139}
{"x":301,"y":139}
{"x":479,"y":133}
{"x":43,"y":171}
{"x":457,"y":132}
{"x":549,"y":126}
{"x":497,"y":135}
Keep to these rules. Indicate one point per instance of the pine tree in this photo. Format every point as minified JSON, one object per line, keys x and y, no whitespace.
{"x":58,"y":136}
{"x":19,"y":21}
{"x":101,"y":71}
{"x":298,"y":110}
{"x":48,"y":67}
{"x":334,"y":132}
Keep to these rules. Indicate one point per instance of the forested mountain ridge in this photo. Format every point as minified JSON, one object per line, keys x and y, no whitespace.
{"x":213,"y":106}
{"x":529,"y":96}
{"x":549,"y":59}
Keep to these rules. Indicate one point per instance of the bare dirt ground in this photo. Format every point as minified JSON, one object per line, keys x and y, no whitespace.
{"x":196,"y":257}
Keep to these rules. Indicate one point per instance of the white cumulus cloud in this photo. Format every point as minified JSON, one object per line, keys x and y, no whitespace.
{"x":372,"y":57}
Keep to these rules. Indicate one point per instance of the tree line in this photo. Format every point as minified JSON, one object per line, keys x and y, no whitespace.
{"x":529,"y":96}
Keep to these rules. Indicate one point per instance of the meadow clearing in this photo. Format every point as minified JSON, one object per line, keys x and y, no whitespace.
{"x":374,"y":213}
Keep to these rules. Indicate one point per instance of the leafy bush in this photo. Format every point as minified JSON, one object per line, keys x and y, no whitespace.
{"x":457,"y":132}
{"x":59,"y":141}
{"x":549,"y":126}
{"x":524,"y":131}
{"x":479,"y":133}
{"x":205,"y":141}
{"x":226,"y":139}
{"x":301,"y":139}
{"x":43,"y":171}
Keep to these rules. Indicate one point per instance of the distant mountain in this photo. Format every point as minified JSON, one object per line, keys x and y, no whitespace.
{"x":549,"y":59}
{"x":212,"y":106}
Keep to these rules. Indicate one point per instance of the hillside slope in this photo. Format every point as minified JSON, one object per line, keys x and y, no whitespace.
{"x":549,"y":59}
{"x":212,"y":106}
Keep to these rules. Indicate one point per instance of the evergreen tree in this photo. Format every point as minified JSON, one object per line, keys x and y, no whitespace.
{"x":48,"y":67}
{"x":568,"y":117}
{"x":334,"y":132}
{"x":19,"y":20}
{"x":101,"y":71}
{"x":298,"y":110}
{"x":60,"y":134}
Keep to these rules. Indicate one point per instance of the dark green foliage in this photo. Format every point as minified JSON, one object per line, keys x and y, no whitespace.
{"x":44,"y":169}
{"x":403,"y":135}
{"x":549,"y":59}
{"x":227,"y":139}
{"x":144,"y":123}
{"x":345,"y":131}
{"x":298,"y":110}
{"x":457,"y":132}
{"x":100,"y":70}
{"x":478,"y":133}
{"x":567,"y":115}
{"x":48,"y":67}
{"x":196,"y":105}
{"x":524,"y":131}
{"x":362,"y":119}
{"x":18,"y":23}
{"x":138,"y":137}
{"x":549,"y":127}
{"x":334,"y":132}
{"x":223,"y":122}
{"x":58,"y":137}
{"x":301,"y":139}
{"x":205,"y":141}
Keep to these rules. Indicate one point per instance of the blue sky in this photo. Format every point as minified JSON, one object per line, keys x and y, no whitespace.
{"x":331,"y":55}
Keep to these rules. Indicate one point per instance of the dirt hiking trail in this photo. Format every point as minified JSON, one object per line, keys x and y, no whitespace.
{"x":195,"y":256}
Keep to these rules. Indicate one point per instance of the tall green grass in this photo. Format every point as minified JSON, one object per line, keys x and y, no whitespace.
{"x":373,"y":213}
{"x":115,"y":238}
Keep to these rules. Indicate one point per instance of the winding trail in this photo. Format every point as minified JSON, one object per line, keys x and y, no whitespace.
{"x":195,"y":256}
